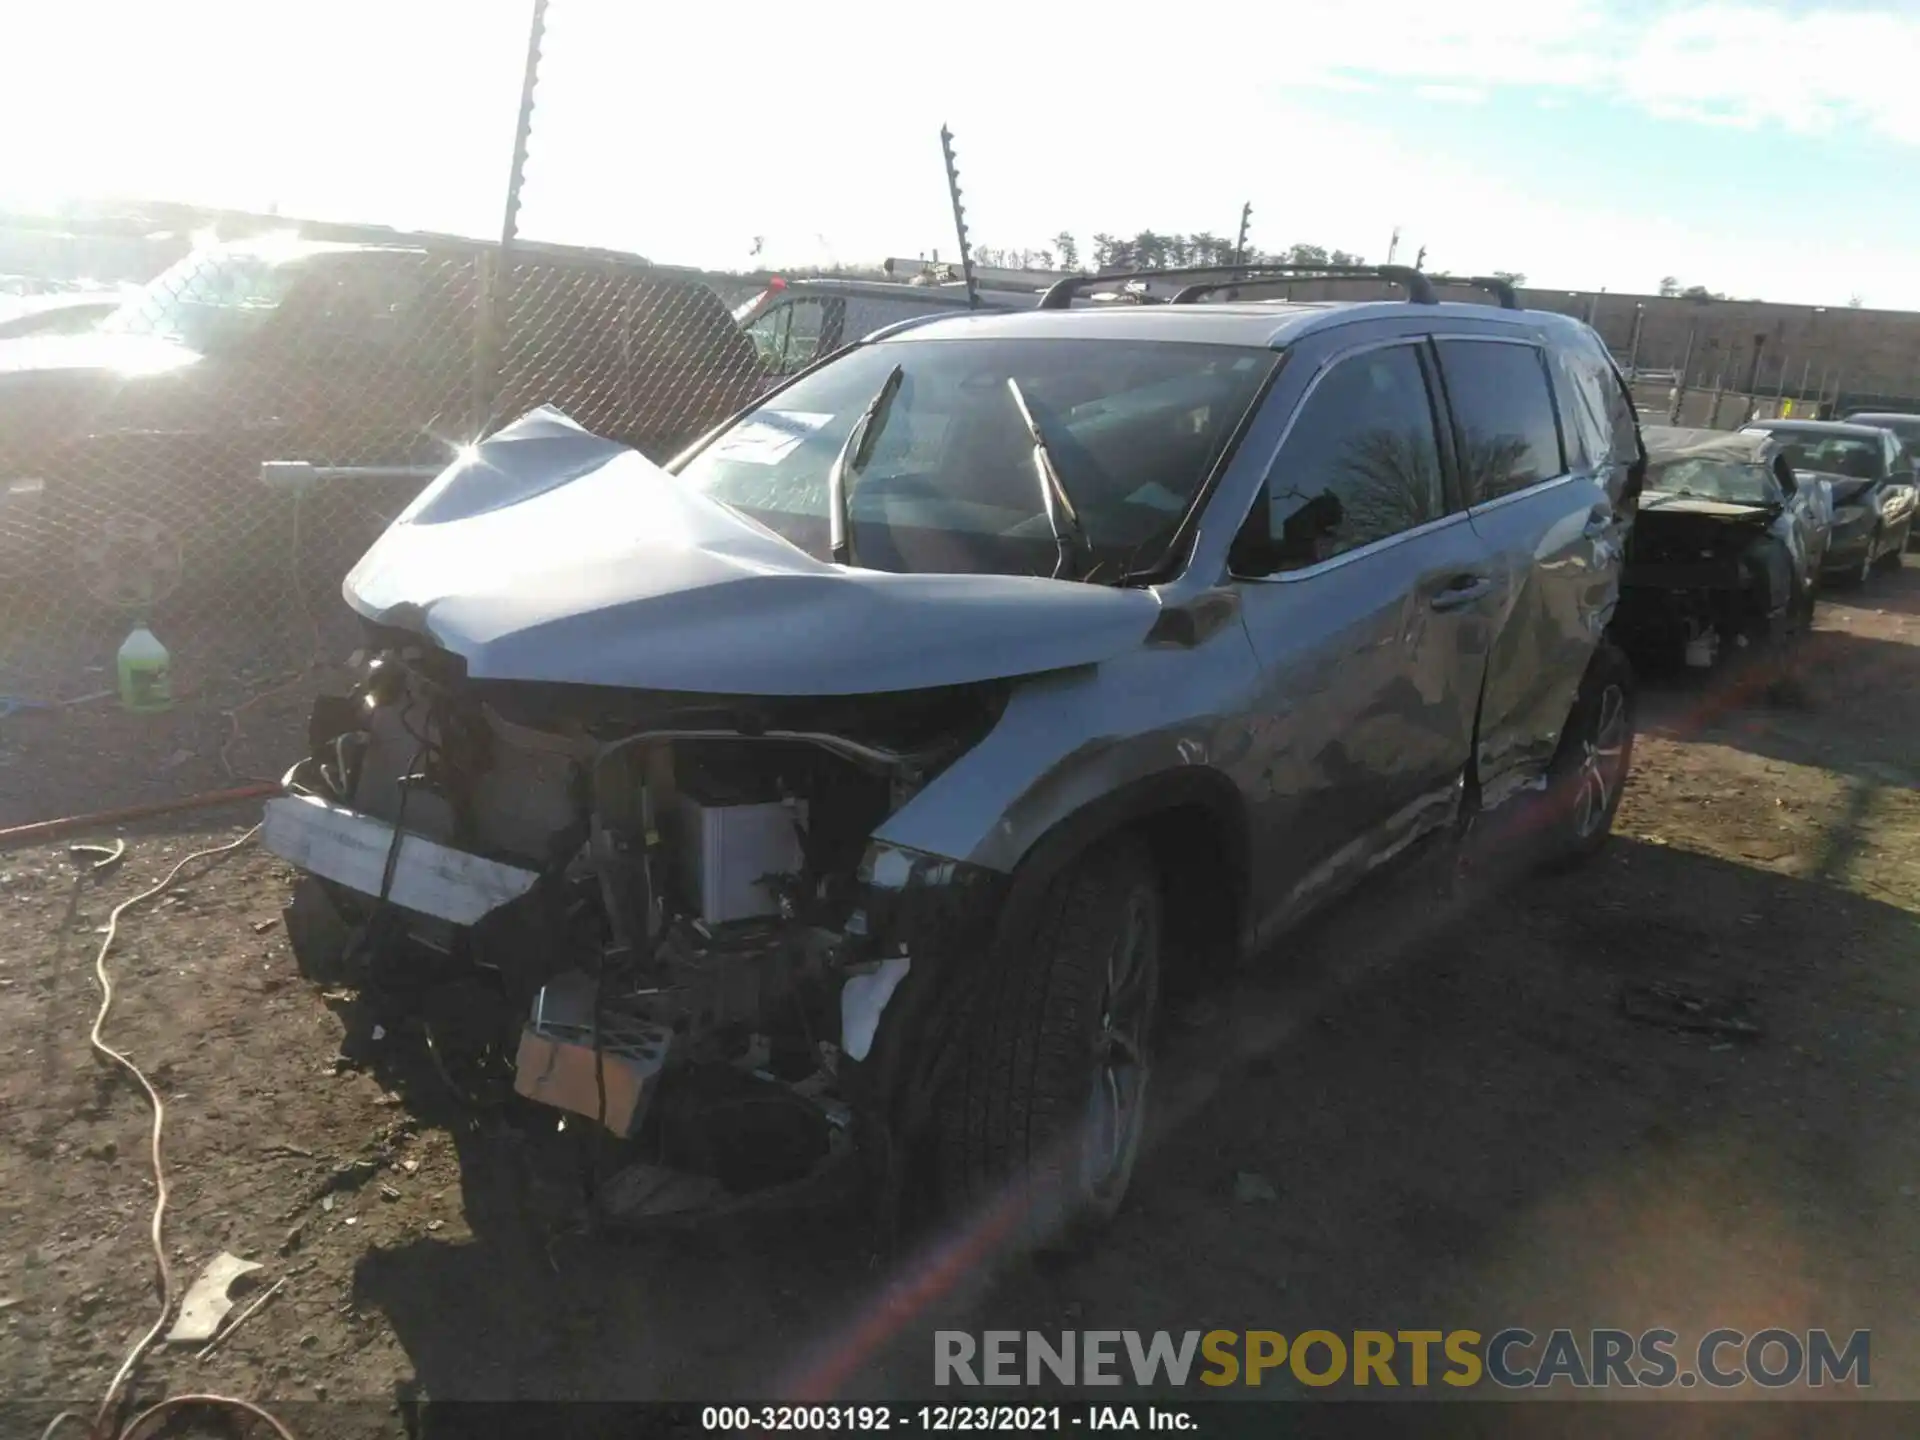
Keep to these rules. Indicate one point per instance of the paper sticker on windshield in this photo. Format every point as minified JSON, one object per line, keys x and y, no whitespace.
{"x":1159,"y":497}
{"x":769,"y":437}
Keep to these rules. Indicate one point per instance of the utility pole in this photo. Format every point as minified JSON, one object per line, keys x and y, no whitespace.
{"x":959,"y":219}
{"x":1393,"y":245}
{"x":1420,"y":260}
{"x":1240,"y":245}
{"x":496,"y":270}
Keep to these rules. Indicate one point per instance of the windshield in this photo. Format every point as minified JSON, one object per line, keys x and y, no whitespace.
{"x":1854,"y":456}
{"x":1727,"y":480}
{"x":1907,"y":427}
{"x":207,"y":300}
{"x":949,"y":482}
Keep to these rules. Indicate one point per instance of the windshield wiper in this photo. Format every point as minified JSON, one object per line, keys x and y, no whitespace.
{"x":1068,"y":534}
{"x":853,"y":455}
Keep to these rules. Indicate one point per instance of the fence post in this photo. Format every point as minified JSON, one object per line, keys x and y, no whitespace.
{"x":1719,"y":388}
{"x":486,"y":344}
{"x":1633,"y":340}
{"x":1679,"y":396}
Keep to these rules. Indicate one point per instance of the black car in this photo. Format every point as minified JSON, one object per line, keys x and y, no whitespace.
{"x":368,"y":361}
{"x":1873,"y":489}
{"x":1726,"y":550}
{"x":1907,"y":428}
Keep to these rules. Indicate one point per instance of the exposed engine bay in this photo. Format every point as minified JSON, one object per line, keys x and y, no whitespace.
{"x":1704,"y":579}
{"x":654,"y":911}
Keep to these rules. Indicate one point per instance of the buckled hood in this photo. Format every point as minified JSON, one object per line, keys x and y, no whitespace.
{"x":547,"y":553}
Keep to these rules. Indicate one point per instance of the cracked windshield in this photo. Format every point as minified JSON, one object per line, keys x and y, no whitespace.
{"x":701,"y":733}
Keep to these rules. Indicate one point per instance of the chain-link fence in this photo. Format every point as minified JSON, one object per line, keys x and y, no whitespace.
{"x":212,"y":458}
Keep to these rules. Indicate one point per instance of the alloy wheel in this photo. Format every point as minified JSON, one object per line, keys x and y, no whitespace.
{"x":1116,"y":1104}
{"x":1602,"y":763}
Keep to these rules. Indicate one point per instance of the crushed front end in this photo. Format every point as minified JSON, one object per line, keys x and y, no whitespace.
{"x":1703,"y":580}
{"x":662,"y":913}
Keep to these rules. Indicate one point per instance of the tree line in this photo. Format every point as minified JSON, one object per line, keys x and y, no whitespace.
{"x":1154,"y":250}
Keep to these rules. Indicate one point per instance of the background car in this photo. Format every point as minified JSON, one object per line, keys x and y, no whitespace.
{"x":1726,"y":550}
{"x":1873,"y":489}
{"x":1907,"y":427}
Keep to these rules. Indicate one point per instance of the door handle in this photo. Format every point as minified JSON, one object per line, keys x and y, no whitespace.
{"x":1460,"y":592}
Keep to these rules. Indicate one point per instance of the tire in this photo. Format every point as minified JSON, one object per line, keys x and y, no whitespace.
{"x":1893,"y":560}
{"x":1857,"y":578}
{"x":1590,"y":770}
{"x":1045,"y":1109}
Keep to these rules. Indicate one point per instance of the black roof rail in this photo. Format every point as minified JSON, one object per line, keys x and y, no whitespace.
{"x":1061,"y":294}
{"x":1501,"y":290}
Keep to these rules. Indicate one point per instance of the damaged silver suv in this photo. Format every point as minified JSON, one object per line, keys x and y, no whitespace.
{"x":841,"y":797}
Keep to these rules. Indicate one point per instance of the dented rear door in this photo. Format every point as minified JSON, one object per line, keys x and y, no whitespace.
{"x":1555,"y":530}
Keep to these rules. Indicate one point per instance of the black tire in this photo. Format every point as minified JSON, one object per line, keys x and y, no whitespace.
{"x":1892,"y":560}
{"x":1044,"y":1112}
{"x":1590,"y":770}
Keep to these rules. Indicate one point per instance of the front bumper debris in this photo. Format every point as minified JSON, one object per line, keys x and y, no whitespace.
{"x":353,"y":850}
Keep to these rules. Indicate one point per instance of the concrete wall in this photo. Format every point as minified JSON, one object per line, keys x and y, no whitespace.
{"x":1864,"y":355}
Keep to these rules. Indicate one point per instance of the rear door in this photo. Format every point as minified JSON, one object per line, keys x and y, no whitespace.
{"x":1368,"y":597}
{"x":1555,"y":524}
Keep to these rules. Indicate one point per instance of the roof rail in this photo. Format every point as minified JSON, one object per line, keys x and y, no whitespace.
{"x":1061,"y":295}
{"x":1501,"y":290}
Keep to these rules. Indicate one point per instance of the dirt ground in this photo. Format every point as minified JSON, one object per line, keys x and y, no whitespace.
{"x":1460,"y":1124}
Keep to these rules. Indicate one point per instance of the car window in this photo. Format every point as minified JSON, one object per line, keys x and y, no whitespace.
{"x":1851,"y":456}
{"x":1360,"y":463}
{"x":949,"y":481}
{"x":1503,"y":416}
{"x":787,"y":337}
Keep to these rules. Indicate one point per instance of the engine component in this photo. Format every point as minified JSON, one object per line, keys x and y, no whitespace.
{"x":558,"y":1060}
{"x":729,"y":854}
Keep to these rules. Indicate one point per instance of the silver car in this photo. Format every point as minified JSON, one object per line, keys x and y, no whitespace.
{"x":840,"y":798}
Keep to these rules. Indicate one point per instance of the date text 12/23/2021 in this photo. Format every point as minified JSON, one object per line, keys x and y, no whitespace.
{"x":938,"y":1419}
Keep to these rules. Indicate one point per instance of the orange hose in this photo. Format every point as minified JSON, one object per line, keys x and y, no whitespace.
{"x":39,"y":830}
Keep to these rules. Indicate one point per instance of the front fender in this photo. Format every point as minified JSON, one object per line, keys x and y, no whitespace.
{"x":1069,"y":741}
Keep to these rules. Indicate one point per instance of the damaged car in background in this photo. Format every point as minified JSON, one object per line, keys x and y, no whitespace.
{"x":1727,"y":547}
{"x":843,"y":798}
{"x":1872,"y":484}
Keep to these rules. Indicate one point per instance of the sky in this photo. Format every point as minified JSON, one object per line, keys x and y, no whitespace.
{"x":1756,"y":148}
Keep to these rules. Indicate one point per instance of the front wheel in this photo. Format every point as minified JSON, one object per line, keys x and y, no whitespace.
{"x":1047,"y":1107}
{"x":1590,"y":769}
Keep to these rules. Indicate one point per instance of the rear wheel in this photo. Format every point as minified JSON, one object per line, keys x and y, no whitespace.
{"x":1589,"y":772}
{"x":1046,"y":1111}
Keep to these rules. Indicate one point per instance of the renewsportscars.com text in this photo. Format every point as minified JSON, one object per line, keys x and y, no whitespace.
{"x":1513,"y":1358}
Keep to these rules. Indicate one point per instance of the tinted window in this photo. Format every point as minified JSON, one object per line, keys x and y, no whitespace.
{"x":1360,"y":463}
{"x":1503,"y":416}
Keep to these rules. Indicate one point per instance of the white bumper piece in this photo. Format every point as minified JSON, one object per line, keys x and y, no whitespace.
{"x":351,"y":849}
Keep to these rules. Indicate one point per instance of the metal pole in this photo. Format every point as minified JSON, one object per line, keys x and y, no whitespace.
{"x":1240,"y":245}
{"x":1719,"y":388}
{"x":1680,"y":385}
{"x":536,"y":32}
{"x":959,"y":219}
{"x":495,"y":273}
{"x":1633,"y":341}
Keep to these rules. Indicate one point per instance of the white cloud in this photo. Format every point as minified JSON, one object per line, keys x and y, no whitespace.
{"x":1451,"y":94}
{"x":1706,"y":61}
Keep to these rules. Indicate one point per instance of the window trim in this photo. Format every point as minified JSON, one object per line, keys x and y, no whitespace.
{"x":1415,"y":342}
{"x":1539,"y":348}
